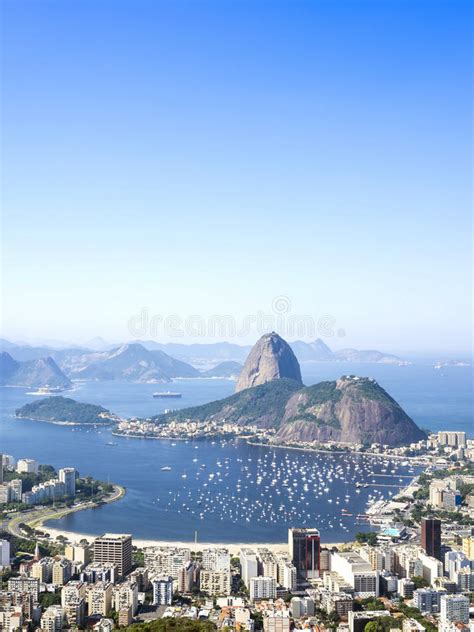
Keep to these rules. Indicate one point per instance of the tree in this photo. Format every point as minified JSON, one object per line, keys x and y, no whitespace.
{"x":49,"y":599}
{"x":420,"y":582}
{"x":369,"y":538}
{"x":382,"y":624}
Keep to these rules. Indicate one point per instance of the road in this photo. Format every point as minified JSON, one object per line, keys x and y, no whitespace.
{"x":38,"y":515}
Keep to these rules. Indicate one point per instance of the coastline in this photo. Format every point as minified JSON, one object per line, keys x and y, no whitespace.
{"x":273,"y":446}
{"x":233,"y":547}
{"x":36,"y":518}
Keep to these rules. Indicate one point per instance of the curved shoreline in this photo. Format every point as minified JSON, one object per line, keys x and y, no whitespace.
{"x":37,"y":518}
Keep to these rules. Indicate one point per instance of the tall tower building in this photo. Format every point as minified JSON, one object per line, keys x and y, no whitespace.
{"x":431,"y":537}
{"x":304,"y":546}
{"x":1,"y":469}
{"x":115,"y":548}
{"x":67,"y":475}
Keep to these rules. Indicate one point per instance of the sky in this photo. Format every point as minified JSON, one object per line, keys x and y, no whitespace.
{"x":256,"y":160}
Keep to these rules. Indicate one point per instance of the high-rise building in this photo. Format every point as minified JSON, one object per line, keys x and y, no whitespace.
{"x":114,"y":548}
{"x":432,"y":568}
{"x":52,"y":619}
{"x":4,"y":553}
{"x":165,"y":560}
{"x":125,"y":596}
{"x":358,"y":620}
{"x":453,"y":439}
{"x":215,"y":559}
{"x":78,"y":553}
{"x":62,"y":571}
{"x":162,"y":591}
{"x":72,"y":592}
{"x":427,"y":600}
{"x":67,"y":475}
{"x":75,"y":613}
{"x":356,"y":572}
{"x":454,"y":608}
{"x":1,"y":468}
{"x":248,"y":565}
{"x":215,"y":582}
{"x":99,"y":598}
{"x":468,"y":547}
{"x":304,"y":546}
{"x":431,"y":537}
{"x":262,"y":588}
{"x":24,"y":584}
{"x":187,"y":577}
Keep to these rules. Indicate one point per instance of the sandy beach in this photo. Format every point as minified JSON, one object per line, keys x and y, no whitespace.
{"x":234,"y":548}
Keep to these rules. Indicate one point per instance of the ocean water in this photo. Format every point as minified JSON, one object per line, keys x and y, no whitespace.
{"x":230,"y":491}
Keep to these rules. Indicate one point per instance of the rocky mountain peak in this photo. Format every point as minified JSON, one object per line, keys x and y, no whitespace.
{"x":270,"y":358}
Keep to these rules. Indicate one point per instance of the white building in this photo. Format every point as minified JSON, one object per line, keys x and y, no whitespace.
{"x":125,"y":596}
{"x":216,"y":560}
{"x":453,"y":439}
{"x":52,"y":619}
{"x":72,"y":592}
{"x":215,"y":582}
{"x":357,"y":572}
{"x":11,"y":618}
{"x":455,"y":561}
{"x":268,"y":563}
{"x":4,"y":553}
{"x":162,"y":591}
{"x":27,"y":466}
{"x":454,"y":608}
{"x":99,"y":598}
{"x":248,"y":565}
{"x":24,"y":584}
{"x":11,"y":492}
{"x":262,"y":588}
{"x":67,"y":475}
{"x":165,"y":560}
{"x":432,"y":568}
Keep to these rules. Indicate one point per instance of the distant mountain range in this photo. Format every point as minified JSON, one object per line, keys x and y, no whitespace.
{"x":149,"y":361}
{"x":198,"y":354}
{"x":131,"y":362}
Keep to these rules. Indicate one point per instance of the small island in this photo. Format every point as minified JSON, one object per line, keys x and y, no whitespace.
{"x":66,"y":411}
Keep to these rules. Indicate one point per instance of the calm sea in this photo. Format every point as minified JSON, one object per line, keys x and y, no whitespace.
{"x":232,"y":491}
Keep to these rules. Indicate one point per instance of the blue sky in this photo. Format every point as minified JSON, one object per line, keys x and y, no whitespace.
{"x":206,"y":157}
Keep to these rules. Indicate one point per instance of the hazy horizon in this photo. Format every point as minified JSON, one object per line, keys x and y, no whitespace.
{"x":287,"y":159}
{"x":333,"y":343}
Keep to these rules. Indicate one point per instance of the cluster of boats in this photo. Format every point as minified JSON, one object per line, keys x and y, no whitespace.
{"x":283,"y":488}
